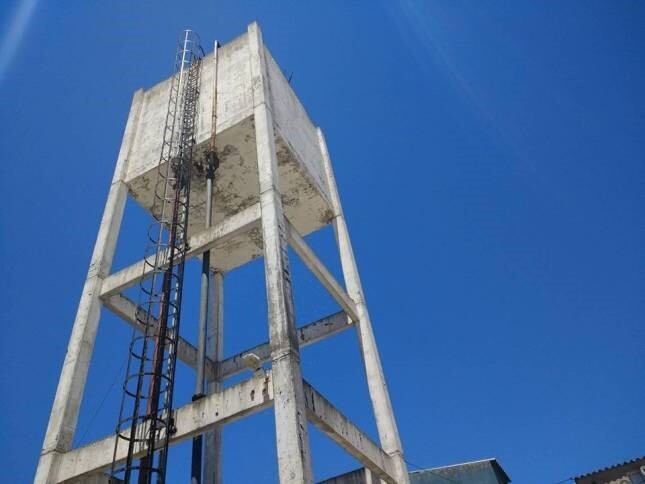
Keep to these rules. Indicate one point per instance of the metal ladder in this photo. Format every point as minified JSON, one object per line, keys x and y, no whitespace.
{"x":145,"y":421}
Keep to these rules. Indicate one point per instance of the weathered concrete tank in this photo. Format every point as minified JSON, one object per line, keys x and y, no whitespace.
{"x":304,"y":189}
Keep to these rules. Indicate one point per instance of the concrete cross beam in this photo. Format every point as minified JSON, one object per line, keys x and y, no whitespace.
{"x":245,"y":398}
{"x":127,"y":310}
{"x":316,"y":266}
{"x":309,"y":334}
{"x":238,"y":401}
{"x":339,"y":428}
{"x":187,"y":353}
{"x":229,"y":228}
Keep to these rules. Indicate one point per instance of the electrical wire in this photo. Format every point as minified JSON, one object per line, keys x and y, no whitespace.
{"x":430,"y":471}
{"x":100,"y":406}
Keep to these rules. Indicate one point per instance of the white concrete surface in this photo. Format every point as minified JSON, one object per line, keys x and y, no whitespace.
{"x":69,"y":393}
{"x":243,"y":399}
{"x":216,"y":237}
{"x":307,"y":334}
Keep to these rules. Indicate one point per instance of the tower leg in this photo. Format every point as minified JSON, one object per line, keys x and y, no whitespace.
{"x":215,"y":352}
{"x":69,"y":393}
{"x":385,"y":422}
{"x":292,"y":436}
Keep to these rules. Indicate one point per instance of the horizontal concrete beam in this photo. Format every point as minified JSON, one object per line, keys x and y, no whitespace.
{"x":127,"y":310}
{"x":238,"y":401}
{"x":307,"y":335}
{"x":197,"y":244}
{"x":187,"y":353}
{"x":338,"y":427}
{"x":316,"y":266}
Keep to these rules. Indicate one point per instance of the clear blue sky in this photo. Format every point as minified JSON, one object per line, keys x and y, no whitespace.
{"x":491,"y":159}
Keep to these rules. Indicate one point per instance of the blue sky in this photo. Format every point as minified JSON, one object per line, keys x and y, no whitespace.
{"x":491,"y":160}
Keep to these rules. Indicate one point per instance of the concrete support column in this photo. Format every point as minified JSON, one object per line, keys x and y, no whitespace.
{"x":215,"y":352}
{"x":379,"y":395}
{"x":69,"y":393}
{"x":294,"y":459}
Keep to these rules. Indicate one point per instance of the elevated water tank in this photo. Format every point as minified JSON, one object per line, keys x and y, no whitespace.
{"x":303,"y":187}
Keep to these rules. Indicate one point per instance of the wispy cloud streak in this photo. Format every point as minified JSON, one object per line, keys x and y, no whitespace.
{"x":15,"y":32}
{"x":417,"y":28}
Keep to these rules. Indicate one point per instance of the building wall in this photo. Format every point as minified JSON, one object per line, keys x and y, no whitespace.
{"x":294,"y":125}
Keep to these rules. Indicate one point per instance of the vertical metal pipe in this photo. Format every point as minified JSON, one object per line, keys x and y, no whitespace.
{"x":203,"y":308}
{"x":214,"y":351}
{"x":196,"y":467}
{"x":200,"y":381}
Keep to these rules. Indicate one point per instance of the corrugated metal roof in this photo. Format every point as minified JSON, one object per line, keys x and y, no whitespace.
{"x":487,"y":471}
{"x":638,"y":460}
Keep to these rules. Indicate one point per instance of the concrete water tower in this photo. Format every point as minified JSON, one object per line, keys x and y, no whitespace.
{"x":251,"y":175}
